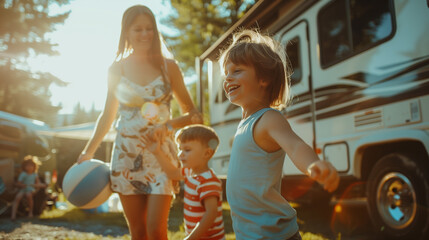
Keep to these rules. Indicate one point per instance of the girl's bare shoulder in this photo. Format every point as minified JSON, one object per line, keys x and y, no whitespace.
{"x":274,"y":121}
{"x":273,"y":116}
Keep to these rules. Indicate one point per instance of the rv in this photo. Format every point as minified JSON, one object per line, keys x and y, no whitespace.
{"x":360,"y":88}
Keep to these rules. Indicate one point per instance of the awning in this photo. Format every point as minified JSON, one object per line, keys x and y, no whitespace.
{"x":80,"y":131}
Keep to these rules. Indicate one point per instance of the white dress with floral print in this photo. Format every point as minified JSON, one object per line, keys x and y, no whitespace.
{"x":134,"y":170}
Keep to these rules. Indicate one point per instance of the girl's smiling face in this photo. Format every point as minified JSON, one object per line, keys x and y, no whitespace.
{"x":241,"y":85}
{"x":141,"y":33}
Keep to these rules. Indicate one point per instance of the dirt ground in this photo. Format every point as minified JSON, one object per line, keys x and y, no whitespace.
{"x":351,"y":224}
{"x":36,"y":229}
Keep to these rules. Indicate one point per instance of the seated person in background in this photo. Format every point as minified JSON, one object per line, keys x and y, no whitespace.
{"x":28,"y":181}
{"x":203,"y":190}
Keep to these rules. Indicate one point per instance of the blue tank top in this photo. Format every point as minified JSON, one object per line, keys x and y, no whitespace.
{"x":253,"y":188}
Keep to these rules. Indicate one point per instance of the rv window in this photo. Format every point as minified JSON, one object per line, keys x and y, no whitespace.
{"x":294,"y":55}
{"x":348,"y":27}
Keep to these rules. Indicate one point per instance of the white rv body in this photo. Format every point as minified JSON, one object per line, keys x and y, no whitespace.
{"x":355,"y":105}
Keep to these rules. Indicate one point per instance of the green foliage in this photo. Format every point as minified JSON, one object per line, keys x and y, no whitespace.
{"x":23,"y":28}
{"x":198,"y":24}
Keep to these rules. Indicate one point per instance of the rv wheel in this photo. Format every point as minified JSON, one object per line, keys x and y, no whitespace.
{"x":398,"y":198}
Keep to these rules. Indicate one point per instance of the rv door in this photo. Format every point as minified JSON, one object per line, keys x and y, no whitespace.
{"x":300,"y":109}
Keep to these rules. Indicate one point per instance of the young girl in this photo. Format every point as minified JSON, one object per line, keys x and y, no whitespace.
{"x":28,"y":181}
{"x":141,"y":83}
{"x":257,"y":81}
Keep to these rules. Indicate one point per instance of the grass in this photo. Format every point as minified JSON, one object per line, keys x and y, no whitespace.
{"x":175,"y":229}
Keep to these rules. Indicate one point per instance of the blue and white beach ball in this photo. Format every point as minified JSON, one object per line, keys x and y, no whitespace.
{"x":87,"y":185}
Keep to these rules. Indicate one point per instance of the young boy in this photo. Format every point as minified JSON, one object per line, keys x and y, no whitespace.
{"x":203,"y":190}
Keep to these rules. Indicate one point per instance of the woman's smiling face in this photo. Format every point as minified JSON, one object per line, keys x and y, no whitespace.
{"x":141,"y":33}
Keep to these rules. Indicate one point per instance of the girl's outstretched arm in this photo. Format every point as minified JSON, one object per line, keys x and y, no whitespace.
{"x":276,"y":131}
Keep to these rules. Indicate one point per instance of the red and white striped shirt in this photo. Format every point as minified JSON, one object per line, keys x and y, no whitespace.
{"x":197,"y":188}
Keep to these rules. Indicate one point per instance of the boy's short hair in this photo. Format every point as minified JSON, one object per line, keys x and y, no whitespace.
{"x":33,"y":160}
{"x":267,"y":57}
{"x":198,"y":132}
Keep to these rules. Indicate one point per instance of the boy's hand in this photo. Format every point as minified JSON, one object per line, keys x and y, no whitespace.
{"x":324,"y":173}
{"x":151,"y":143}
{"x":158,"y":131}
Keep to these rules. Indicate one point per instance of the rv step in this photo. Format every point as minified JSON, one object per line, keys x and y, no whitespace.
{"x":350,"y":201}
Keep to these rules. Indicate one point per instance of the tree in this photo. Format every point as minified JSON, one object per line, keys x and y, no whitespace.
{"x":93,"y":114}
{"x":80,"y":115}
{"x":198,"y":24}
{"x":23,"y":28}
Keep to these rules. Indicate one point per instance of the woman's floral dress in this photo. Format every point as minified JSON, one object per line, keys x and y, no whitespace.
{"x":134,"y":170}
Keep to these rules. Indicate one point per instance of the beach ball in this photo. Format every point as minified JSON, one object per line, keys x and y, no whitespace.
{"x":87,"y":185}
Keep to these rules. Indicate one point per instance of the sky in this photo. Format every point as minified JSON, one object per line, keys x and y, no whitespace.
{"x":87,"y":43}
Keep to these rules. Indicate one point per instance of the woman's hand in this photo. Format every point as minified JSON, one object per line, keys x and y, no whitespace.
{"x":84,"y":157}
{"x":324,"y":173}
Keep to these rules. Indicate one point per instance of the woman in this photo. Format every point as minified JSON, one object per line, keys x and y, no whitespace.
{"x":140,"y":85}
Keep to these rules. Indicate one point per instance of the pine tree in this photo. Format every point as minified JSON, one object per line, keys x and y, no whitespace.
{"x":79,"y":115}
{"x":65,"y":121}
{"x":23,"y":28}
{"x":93,"y":114}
